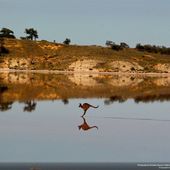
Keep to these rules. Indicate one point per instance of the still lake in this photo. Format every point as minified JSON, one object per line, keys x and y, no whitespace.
{"x":49,"y":128}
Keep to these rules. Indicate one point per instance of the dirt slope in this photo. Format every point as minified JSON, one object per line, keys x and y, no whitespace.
{"x":44,"y":55}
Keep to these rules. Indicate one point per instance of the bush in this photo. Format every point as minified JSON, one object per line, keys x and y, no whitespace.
{"x":153,"y":49}
{"x":109,"y":43}
{"x":7,"y":36}
{"x":115,"y":46}
{"x":67,"y":41}
{"x":6,"y":33}
{"x":124,"y":45}
{"x":23,"y":38}
{"x":32,"y":33}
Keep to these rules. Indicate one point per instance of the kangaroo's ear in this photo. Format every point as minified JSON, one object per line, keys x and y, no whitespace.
{"x":79,"y":127}
{"x":79,"y":104}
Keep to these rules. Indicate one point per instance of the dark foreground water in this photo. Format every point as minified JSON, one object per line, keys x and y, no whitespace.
{"x":84,"y":166}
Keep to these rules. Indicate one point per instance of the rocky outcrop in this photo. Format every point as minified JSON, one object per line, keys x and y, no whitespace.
{"x":84,"y":65}
{"x":115,"y":66}
{"x":125,"y":66}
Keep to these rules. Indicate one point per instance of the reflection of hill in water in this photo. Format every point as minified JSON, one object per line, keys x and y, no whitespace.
{"x":36,"y":86}
{"x":137,"y":99}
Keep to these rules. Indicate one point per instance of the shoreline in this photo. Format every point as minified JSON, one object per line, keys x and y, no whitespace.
{"x":87,"y":72}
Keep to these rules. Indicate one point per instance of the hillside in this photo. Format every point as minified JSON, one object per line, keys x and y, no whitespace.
{"x":44,"y":55}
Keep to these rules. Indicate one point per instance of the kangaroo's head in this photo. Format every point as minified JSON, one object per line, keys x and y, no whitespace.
{"x":79,"y":127}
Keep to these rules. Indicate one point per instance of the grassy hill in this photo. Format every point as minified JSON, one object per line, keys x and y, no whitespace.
{"x":44,"y":55}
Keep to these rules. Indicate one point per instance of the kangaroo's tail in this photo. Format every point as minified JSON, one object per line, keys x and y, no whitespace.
{"x":94,"y":106}
{"x":94,"y":127}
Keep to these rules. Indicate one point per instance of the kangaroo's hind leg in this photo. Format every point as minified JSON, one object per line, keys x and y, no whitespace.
{"x":84,"y":113}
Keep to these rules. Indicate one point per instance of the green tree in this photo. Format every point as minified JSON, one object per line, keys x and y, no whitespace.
{"x":32,"y":33}
{"x":109,"y":43}
{"x":67,"y":41}
{"x":7,"y":33}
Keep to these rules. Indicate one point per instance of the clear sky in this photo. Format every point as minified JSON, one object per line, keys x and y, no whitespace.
{"x":90,"y":21}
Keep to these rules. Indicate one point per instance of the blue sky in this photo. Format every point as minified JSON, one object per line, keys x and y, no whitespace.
{"x":90,"y":21}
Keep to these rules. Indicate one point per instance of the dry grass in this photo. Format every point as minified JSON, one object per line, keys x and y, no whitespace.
{"x":54,"y":56}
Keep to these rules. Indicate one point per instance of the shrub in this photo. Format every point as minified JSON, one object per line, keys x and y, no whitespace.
{"x":115,"y":46}
{"x":67,"y":41}
{"x":124,"y":45}
{"x":32,"y":33}
{"x":6,"y":33}
{"x":153,"y":48}
{"x":109,"y":43}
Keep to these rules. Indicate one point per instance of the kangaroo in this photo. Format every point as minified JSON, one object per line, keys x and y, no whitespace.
{"x":85,"y":126}
{"x":86,"y":106}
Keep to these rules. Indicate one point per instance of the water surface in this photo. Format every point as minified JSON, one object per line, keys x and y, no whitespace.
{"x":51,"y":130}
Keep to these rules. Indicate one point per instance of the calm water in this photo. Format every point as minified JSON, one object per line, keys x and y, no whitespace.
{"x":40,"y":120}
{"x":127,"y":132}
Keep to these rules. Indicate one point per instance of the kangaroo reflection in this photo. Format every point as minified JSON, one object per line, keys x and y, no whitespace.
{"x":85,"y":107}
{"x":84,"y":126}
{"x":30,"y":106}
